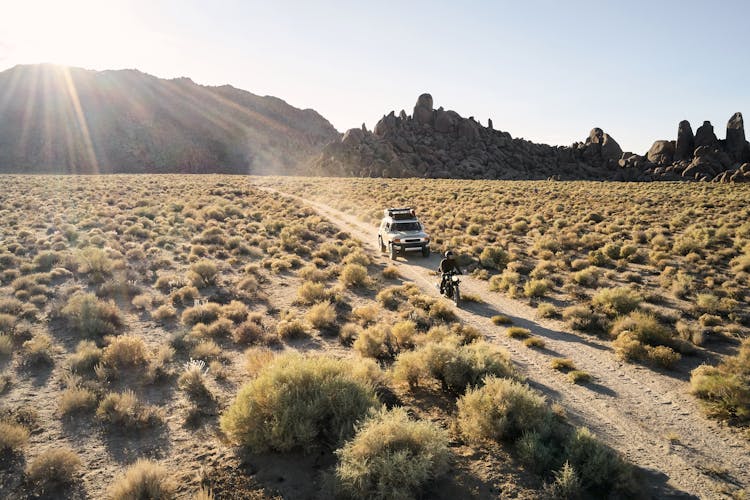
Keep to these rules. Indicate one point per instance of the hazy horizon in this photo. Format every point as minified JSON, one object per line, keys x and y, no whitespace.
{"x":544,"y":72}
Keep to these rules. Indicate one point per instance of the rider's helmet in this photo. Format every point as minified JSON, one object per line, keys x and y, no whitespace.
{"x":449,"y":254}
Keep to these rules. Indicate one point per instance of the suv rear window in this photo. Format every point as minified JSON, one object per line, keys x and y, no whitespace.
{"x":405,"y":226}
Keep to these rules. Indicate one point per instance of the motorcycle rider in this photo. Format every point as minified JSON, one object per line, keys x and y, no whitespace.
{"x":447,"y":265}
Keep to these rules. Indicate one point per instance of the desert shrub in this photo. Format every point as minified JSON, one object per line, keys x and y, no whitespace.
{"x":582,"y":318}
{"x":126,"y":351}
{"x":366,"y":314}
{"x":203,"y":273}
{"x":312,"y":293}
{"x":516,"y":332}
{"x":588,"y":277}
{"x":600,"y":468}
{"x":353,"y":275}
{"x":578,"y":377}
{"x":53,"y":469}
{"x":536,"y":287}
{"x":94,"y":262}
{"x":644,"y":327}
{"x":562,"y":364}
{"x":455,"y":367}
{"x":291,"y":329}
{"x":663,"y":356}
{"x":90,"y":317}
{"x":616,"y":301}
{"x":236,"y":311}
{"x":77,"y":400}
{"x":442,"y":311}
{"x":349,"y":333}
{"x":44,"y":261}
{"x":377,"y":342}
{"x":404,"y":332}
{"x":206,"y":350}
{"x":321,"y":315}
{"x":297,"y":401}
{"x":534,"y":342}
{"x":13,"y":437}
{"x":6,"y":345}
{"x":37,"y":350}
{"x":501,"y":319}
{"x":164,"y":313}
{"x":220,"y":328}
{"x":391,"y":456}
{"x":391,"y":272}
{"x":184,"y":295}
{"x":725,"y":389}
{"x":501,"y":409}
{"x":144,"y":479}
{"x":546,"y":310}
{"x":494,"y":258}
{"x":710,"y":320}
{"x":707,"y":303}
{"x":192,"y":380}
{"x":248,"y":332}
{"x":202,"y":313}
{"x":566,"y":484}
{"x":466,"y":333}
{"x":124,"y":411}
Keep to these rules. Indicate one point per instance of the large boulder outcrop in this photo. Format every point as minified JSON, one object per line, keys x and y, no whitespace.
{"x":423,"y":109}
{"x":705,"y":136}
{"x":661,"y":153}
{"x":736,"y":144}
{"x":685,"y":142}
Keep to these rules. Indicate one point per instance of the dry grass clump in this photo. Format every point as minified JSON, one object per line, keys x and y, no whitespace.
{"x":235,"y":311}
{"x":517,"y":332}
{"x":579,"y":377}
{"x":164,"y":313}
{"x":13,"y":437}
{"x":53,"y":469}
{"x":616,"y":301}
{"x":249,"y":332}
{"x":391,"y":272}
{"x":77,"y":400}
{"x":6,"y":345}
{"x":455,"y":367}
{"x":367,"y":314}
{"x":534,"y":342}
{"x":202,"y":313}
{"x":501,"y":320}
{"x":38,"y":350}
{"x":203,"y":273}
{"x":354,"y":275}
{"x":126,"y":351}
{"x":584,"y":319}
{"x":640,"y":337}
{"x":292,"y":328}
{"x":322,"y":315}
{"x":501,"y":409}
{"x":562,"y":364}
{"x":86,"y":357}
{"x":391,"y":456}
{"x":91,"y":317}
{"x":124,"y":411}
{"x":192,"y":380}
{"x":299,"y":402}
{"x":725,"y":389}
{"x":310,"y":293}
{"x":144,"y":479}
{"x":206,"y":350}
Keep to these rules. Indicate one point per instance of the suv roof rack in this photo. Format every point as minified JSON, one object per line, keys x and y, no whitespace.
{"x":400,"y":213}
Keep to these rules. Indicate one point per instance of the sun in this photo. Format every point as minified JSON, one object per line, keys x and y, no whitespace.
{"x":74,"y":32}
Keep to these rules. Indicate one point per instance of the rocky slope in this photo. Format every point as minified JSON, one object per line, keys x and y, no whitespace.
{"x":441,"y":143}
{"x":59,"y":119}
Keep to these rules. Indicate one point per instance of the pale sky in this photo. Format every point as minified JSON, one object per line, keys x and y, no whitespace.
{"x":547,"y":70}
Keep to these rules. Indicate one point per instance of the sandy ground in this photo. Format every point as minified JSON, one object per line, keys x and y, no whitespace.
{"x":645,"y":414}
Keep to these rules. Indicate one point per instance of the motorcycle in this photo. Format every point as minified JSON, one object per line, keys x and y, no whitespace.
{"x":450,"y":286}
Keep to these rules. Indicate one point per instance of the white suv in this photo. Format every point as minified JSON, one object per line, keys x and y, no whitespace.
{"x":400,"y":231}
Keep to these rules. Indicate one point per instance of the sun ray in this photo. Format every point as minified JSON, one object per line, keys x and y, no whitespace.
{"x":81,"y":121}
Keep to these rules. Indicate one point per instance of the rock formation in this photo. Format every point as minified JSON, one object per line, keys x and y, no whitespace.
{"x":441,"y":143}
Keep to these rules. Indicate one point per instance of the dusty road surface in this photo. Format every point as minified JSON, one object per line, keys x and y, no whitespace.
{"x":647,"y":415}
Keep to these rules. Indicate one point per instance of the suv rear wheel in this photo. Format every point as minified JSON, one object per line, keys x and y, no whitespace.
{"x":392,"y":251}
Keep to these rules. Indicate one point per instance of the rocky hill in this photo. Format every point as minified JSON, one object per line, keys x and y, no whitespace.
{"x":441,"y":143}
{"x":59,"y":119}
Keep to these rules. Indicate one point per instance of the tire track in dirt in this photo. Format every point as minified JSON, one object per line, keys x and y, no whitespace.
{"x":647,"y":415}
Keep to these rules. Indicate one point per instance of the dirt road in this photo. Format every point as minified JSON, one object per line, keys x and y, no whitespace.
{"x":647,"y":415}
